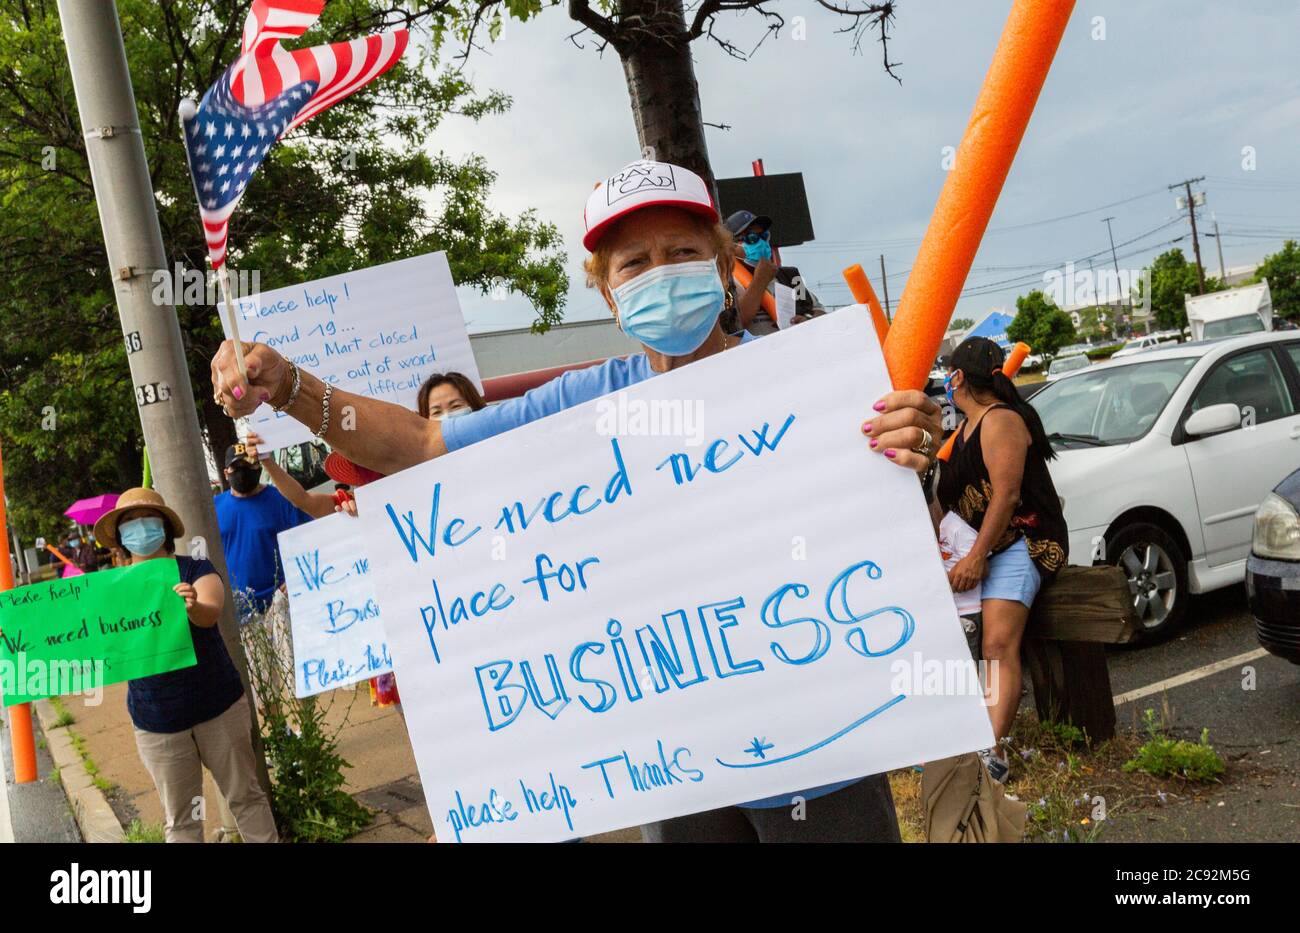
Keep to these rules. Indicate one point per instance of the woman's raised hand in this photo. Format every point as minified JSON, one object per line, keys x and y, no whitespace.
{"x":900,"y":427}
{"x":268,"y":378}
{"x":186,"y":592}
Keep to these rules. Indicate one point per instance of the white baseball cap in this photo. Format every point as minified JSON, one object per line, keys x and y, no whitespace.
{"x":644,"y":184}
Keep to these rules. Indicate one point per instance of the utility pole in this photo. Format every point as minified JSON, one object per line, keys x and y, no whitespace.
{"x":125,"y":198}
{"x":1115,"y":259}
{"x":1218,"y":243}
{"x":884,"y":284}
{"x":1196,"y":243}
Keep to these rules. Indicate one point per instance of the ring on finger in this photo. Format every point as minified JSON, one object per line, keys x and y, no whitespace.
{"x":923,"y":448}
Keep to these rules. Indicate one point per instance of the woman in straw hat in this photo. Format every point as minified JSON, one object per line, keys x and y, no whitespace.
{"x":661,"y":261}
{"x":196,"y":716}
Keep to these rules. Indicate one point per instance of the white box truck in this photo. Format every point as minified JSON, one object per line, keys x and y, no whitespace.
{"x":1245,"y":310}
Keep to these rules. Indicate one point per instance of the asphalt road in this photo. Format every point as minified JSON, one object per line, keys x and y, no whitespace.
{"x":1252,"y":709}
{"x":38,"y":811}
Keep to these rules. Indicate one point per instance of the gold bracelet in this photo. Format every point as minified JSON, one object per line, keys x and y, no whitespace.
{"x":325,"y":410}
{"x":293,"y":392}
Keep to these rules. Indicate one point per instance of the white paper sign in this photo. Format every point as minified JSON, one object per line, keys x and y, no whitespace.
{"x":785,"y":305}
{"x":597,"y":623}
{"x":338,"y":637}
{"x":377,"y":332}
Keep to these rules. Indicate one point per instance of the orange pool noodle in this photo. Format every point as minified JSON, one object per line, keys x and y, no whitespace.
{"x":1024,"y":54}
{"x":864,"y":294}
{"x":743,"y":278}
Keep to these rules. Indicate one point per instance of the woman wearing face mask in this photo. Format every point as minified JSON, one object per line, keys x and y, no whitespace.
{"x":659,"y":258}
{"x":197,"y":716}
{"x":997,"y":481}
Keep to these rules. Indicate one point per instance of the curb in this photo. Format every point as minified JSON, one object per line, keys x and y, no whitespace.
{"x":95,"y":818}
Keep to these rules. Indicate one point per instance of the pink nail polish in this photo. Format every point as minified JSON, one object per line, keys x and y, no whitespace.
{"x":891,"y":454}
{"x":879,"y":406}
{"x":237,"y":392}
{"x":866,"y":427}
{"x":873,"y":442}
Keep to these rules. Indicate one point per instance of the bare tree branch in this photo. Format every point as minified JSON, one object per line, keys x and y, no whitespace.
{"x":866,"y":17}
{"x":580,"y":11}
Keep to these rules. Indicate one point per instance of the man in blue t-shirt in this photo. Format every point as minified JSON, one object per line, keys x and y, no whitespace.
{"x":250,"y":516}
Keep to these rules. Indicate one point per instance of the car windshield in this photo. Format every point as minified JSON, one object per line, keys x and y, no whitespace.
{"x":1135,"y":344}
{"x":1113,"y":405}
{"x":1068,"y":364}
{"x":1230,"y":327}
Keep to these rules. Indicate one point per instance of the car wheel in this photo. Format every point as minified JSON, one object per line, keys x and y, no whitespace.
{"x":1156,"y":568}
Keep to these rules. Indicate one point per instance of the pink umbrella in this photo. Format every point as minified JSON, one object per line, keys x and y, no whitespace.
{"x":88,"y":511}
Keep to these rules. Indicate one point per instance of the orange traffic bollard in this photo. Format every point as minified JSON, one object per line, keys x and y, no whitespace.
{"x":20,"y":716}
{"x":1024,"y":55}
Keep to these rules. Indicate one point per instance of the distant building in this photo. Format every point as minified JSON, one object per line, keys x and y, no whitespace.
{"x":519,"y":350}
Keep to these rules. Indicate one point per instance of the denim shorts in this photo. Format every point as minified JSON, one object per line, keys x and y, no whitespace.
{"x":1012,"y":575}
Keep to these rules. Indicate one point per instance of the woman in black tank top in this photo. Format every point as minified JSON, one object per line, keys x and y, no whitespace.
{"x":997,"y":481}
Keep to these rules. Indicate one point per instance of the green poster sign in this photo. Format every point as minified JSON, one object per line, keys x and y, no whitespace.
{"x":80,"y":633}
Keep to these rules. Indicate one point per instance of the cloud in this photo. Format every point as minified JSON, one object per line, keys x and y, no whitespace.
{"x":1174,"y":90}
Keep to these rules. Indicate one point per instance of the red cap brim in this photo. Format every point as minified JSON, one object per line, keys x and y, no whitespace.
{"x":695,"y":207}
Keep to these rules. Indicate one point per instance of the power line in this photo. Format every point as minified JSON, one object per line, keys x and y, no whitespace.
{"x":826,"y":245}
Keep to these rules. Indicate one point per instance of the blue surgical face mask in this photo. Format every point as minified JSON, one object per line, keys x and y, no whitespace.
{"x":143,"y":536}
{"x":453,"y":413}
{"x":74,"y":542}
{"x":947,"y":388}
{"x":671,"y":308}
{"x":756,"y":252}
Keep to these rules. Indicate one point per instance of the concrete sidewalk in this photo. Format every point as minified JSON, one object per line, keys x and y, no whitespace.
{"x":381,"y":772}
{"x":39,"y":811}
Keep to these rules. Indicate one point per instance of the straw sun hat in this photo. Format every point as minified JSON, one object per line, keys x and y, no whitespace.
{"x":106,"y":527}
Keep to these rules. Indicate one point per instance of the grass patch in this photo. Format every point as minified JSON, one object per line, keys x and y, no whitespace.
{"x":1071,"y":785}
{"x":144,"y":832}
{"x":92,"y":768}
{"x":1164,"y":757}
{"x":63,"y":716}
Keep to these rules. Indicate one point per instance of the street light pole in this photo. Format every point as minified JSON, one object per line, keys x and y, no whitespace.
{"x":133,"y":241}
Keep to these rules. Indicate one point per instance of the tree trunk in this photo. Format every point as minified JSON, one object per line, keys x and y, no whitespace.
{"x":656,"y":56}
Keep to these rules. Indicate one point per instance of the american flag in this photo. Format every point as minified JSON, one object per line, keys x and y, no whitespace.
{"x":267,"y":92}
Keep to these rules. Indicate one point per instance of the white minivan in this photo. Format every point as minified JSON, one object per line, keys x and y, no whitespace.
{"x":1163,"y":458}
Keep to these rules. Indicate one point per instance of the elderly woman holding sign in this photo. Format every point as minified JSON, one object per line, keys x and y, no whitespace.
{"x":661,"y":260}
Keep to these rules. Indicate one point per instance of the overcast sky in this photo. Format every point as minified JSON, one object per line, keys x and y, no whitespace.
{"x":1176,"y":89}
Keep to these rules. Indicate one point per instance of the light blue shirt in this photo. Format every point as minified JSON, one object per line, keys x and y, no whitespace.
{"x":565,"y":391}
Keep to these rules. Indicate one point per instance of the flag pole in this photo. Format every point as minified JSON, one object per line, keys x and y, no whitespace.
{"x":224,"y":278}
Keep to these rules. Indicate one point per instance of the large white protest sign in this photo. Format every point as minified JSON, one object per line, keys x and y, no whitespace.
{"x":338,"y":637}
{"x":377,"y":332}
{"x":597,"y":624}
